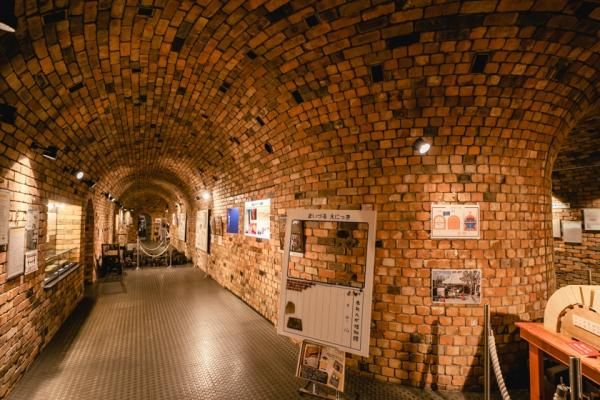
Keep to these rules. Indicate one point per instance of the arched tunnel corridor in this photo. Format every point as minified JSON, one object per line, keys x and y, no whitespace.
{"x":170,"y":108}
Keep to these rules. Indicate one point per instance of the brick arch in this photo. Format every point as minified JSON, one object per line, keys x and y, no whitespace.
{"x":340,"y":92}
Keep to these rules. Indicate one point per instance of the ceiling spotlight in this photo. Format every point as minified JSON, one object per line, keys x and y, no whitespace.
{"x":79,"y":175}
{"x":421,"y":146}
{"x":113,"y":199}
{"x":8,"y":21}
{"x":206,"y":195}
{"x":51,"y":152}
{"x":90,"y":182}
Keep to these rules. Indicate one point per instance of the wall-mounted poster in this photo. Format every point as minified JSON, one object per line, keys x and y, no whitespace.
{"x":572,"y":232}
{"x":456,"y":286}
{"x":4,"y":216}
{"x":233,"y":218}
{"x":181,"y":228}
{"x":322,"y":364}
{"x":336,"y":311}
{"x":202,"y":231}
{"x":556,"y":228}
{"x":257,"y":221}
{"x":16,"y":252}
{"x":455,"y":221}
{"x":591,"y":219}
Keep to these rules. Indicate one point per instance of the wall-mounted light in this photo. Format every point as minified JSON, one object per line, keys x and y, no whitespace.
{"x":8,"y":21}
{"x":206,"y":195}
{"x":90,"y":182}
{"x":79,"y":175}
{"x":421,"y":146}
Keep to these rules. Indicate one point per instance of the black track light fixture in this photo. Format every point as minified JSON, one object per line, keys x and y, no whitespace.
{"x":8,"y":21}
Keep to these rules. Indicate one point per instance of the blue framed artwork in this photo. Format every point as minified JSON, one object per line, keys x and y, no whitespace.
{"x":233,"y":220}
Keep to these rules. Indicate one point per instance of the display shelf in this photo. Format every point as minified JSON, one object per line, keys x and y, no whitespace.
{"x":59,"y":266}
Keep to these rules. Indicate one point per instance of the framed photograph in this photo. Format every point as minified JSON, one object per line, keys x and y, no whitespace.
{"x":456,"y":286}
{"x":15,"y":263}
{"x":572,"y":232}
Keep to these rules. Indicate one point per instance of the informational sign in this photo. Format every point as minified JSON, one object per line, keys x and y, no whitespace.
{"x":174,"y":219}
{"x":322,"y":364}
{"x":31,"y":261}
{"x":556,"y":228}
{"x":334,"y":314}
{"x":591,"y":219}
{"x":559,"y":205}
{"x":202,"y":233}
{"x":257,"y":221}
{"x":16,"y":252}
{"x":233,"y":219}
{"x":455,"y":221}
{"x":181,"y":228}
{"x":4,"y":216}
{"x":456,"y":286}
{"x":297,"y":237}
{"x":572,"y":232}
{"x":128,"y":218}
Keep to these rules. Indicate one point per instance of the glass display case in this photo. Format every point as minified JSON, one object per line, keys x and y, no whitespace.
{"x":59,"y":265}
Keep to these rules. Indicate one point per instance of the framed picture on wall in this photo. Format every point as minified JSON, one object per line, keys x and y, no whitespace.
{"x":233,"y":220}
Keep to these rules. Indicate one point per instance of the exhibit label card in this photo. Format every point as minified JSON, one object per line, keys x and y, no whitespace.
{"x":257,"y":221}
{"x":455,"y":221}
{"x":591,"y":219}
{"x":31,"y":261}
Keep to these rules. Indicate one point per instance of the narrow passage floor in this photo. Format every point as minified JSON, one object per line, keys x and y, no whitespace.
{"x":162,"y":334}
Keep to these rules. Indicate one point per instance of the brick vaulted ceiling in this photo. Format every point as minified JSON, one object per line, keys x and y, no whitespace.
{"x":197,"y":93}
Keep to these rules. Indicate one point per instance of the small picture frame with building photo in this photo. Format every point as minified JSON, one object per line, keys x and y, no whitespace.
{"x":456,"y":286}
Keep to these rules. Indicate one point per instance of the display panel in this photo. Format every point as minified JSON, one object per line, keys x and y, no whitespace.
{"x":591,"y":219}
{"x":4,"y":216}
{"x":257,"y":221}
{"x":16,"y":252}
{"x":455,"y":221}
{"x":322,"y":364}
{"x":233,"y":218}
{"x":572,"y":232}
{"x":181,"y":227}
{"x":202,"y":231}
{"x":326,"y":294}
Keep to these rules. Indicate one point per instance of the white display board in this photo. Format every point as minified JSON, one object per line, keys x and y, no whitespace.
{"x":202,"y":230}
{"x":257,"y":219}
{"x":556,"y":228}
{"x":181,"y":227}
{"x":455,"y":221}
{"x":591,"y":219}
{"x":572,"y":232}
{"x":4,"y":216}
{"x":331,"y":314}
{"x":16,"y":252}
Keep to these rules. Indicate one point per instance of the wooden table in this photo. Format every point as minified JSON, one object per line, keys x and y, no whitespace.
{"x":556,"y":346}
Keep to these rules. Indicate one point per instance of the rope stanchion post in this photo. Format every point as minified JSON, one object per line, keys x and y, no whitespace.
{"x":137,"y":267}
{"x":486,"y":352}
{"x":575,"y":380}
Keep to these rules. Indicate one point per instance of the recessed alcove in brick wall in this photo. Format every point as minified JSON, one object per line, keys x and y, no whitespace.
{"x":181,"y":97}
{"x":576,"y":181}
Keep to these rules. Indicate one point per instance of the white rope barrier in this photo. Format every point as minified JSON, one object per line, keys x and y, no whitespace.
{"x":154,"y":255}
{"x":159,"y":245}
{"x":496,"y":367}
